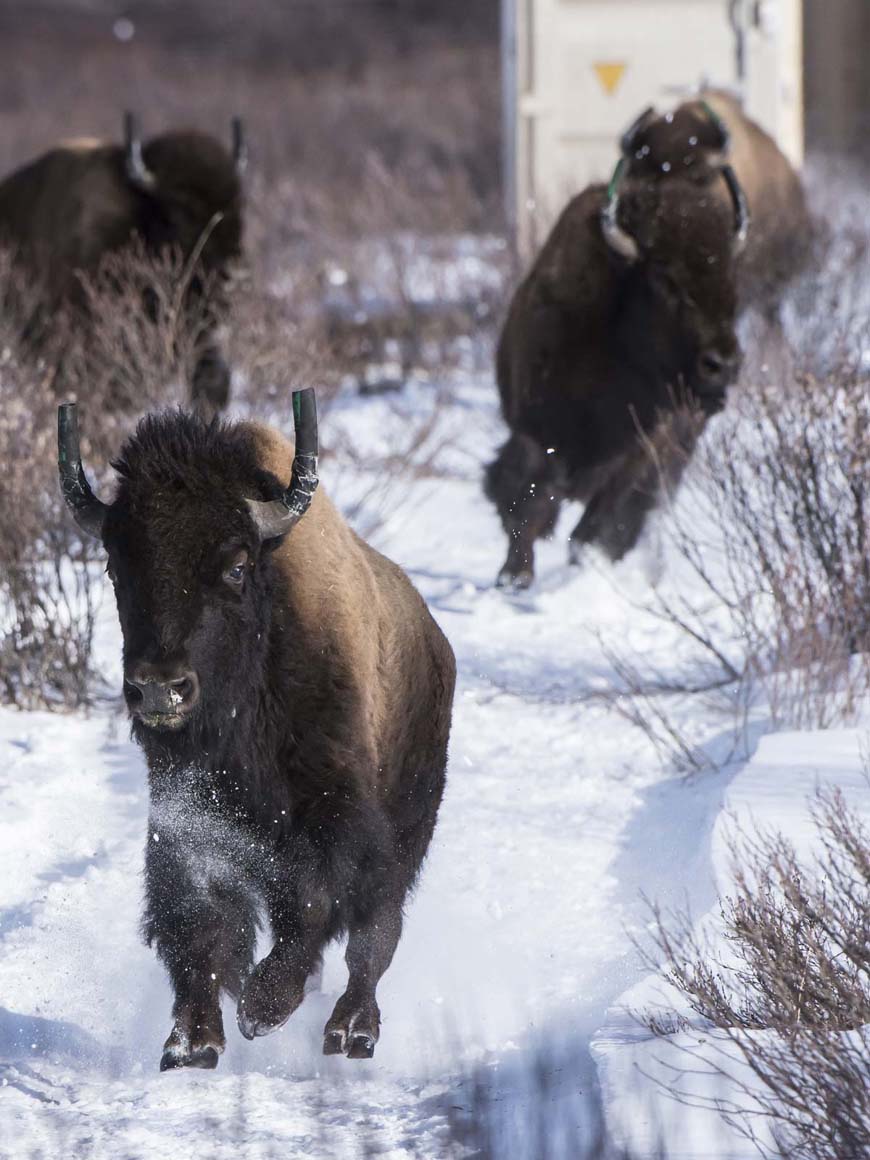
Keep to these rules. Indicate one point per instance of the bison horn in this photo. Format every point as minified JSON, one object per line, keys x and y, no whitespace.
{"x":88,"y":511}
{"x":741,"y":209}
{"x":276,"y":517}
{"x":720,"y":161}
{"x":616,"y":237}
{"x":138,"y":173}
{"x":240,"y":147}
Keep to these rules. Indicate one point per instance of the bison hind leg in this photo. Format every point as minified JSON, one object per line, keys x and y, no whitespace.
{"x":354,"y":1027}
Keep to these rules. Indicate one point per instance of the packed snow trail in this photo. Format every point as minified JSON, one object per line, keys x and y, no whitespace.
{"x":556,"y":816}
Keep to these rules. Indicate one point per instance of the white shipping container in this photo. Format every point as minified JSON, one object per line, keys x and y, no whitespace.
{"x":577,"y":72}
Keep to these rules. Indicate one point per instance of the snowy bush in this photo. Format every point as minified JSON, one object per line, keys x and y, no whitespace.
{"x":787,"y":480}
{"x":793,"y":997}
{"x":769,"y":558}
{"x":48,"y":590}
{"x":126,"y":362}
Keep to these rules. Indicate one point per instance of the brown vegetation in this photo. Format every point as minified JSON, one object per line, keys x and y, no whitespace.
{"x":793,"y":999}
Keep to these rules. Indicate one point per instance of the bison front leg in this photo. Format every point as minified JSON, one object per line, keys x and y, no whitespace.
{"x":355,"y":1024}
{"x":203,"y":930}
{"x":276,"y":986}
{"x":639,"y":481}
{"x":522,"y":483}
{"x":210,"y":383}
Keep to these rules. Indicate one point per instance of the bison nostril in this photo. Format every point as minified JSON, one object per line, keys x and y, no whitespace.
{"x":181,"y":689}
{"x":133,"y":693}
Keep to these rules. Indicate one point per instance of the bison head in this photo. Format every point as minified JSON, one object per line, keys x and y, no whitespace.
{"x":191,"y":191}
{"x":678,"y":244}
{"x":188,"y":537}
{"x":691,"y":142}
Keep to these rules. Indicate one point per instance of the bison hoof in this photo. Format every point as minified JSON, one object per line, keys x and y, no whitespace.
{"x":272,"y":993}
{"x":361,"y":1046}
{"x":352,"y":1029}
{"x":202,"y":1049}
{"x":252,"y":1027}
{"x":333,"y":1043}
{"x":515,"y":581}
{"x":205,"y":1058}
{"x":357,"y":1045}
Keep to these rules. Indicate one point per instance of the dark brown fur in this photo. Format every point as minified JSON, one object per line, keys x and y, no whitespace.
{"x":306,"y":782}
{"x":781,"y":230}
{"x":597,"y":352}
{"x":62,"y":213}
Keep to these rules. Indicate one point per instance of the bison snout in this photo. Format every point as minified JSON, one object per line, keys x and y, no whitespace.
{"x":160,"y":695}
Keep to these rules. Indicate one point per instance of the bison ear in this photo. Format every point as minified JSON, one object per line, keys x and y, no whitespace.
{"x":138,"y":173}
{"x":276,"y":517}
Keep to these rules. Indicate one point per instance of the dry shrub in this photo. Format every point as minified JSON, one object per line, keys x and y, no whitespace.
{"x":787,"y":479}
{"x":769,"y":558}
{"x":133,"y":351}
{"x":793,"y":999}
{"x":48,"y":590}
{"x":146,"y":328}
{"x":393,"y":281}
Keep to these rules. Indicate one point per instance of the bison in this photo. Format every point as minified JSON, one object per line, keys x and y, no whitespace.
{"x":623,"y":332}
{"x":292,"y":696}
{"x":64,"y":212}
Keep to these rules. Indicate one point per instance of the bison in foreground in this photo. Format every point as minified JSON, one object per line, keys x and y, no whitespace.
{"x":63,"y":213}
{"x":623,"y":333}
{"x":292,"y":696}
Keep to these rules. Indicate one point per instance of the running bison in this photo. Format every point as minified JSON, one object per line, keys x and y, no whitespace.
{"x":63,"y":213}
{"x":620,"y":343}
{"x":292,"y":696}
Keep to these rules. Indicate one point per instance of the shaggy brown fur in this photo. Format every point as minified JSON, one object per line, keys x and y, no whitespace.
{"x":781,"y":229}
{"x":597,"y":350}
{"x":299,"y":767}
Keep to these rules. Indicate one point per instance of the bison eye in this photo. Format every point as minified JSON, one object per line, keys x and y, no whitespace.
{"x":234,"y":574}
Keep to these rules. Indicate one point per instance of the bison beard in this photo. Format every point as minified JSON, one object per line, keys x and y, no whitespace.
{"x":298,"y":776}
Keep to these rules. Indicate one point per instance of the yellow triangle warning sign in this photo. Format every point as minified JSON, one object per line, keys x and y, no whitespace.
{"x":609,"y":74}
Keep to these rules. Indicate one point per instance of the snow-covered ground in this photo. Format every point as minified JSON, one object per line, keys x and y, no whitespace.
{"x":517,"y":955}
{"x":641,"y":1073}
